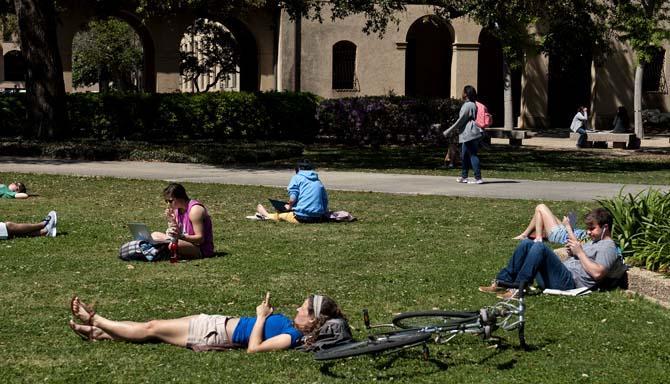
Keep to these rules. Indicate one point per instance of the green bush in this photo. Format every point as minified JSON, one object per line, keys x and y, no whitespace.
{"x":385,"y":119}
{"x":221,"y":116}
{"x":642,"y":227}
{"x":12,"y":115}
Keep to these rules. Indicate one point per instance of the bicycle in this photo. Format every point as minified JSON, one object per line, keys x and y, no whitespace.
{"x":419,"y":328}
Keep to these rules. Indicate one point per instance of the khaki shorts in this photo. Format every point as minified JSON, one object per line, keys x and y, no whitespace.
{"x":4,"y":234}
{"x":208,"y":332}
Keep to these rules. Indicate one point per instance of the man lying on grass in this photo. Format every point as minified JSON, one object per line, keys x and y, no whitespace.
{"x":591,"y":264}
{"x":265,"y":332}
{"x":46,"y":227}
{"x":15,"y":190}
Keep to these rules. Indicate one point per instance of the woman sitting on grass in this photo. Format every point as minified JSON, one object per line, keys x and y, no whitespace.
{"x":189,"y":222}
{"x":545,"y":224}
{"x":265,"y":332}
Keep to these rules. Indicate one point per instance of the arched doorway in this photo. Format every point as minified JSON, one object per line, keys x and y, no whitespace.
{"x":123,"y":52}
{"x":226,"y":50}
{"x":569,"y":69}
{"x":15,"y":68}
{"x":491,"y":79}
{"x":428,"y":58}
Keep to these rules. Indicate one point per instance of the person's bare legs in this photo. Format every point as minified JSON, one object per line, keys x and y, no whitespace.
{"x":26,"y":229}
{"x":89,"y":332}
{"x":185,"y":250}
{"x":542,"y":223}
{"x":172,"y":331}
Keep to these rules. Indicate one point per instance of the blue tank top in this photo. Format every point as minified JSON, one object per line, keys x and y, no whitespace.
{"x":274,"y":325}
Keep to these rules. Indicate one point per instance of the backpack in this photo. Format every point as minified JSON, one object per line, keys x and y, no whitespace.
{"x":484,"y":118}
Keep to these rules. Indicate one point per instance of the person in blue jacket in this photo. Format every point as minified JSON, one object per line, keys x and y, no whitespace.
{"x":265,"y":332}
{"x":308,"y":199}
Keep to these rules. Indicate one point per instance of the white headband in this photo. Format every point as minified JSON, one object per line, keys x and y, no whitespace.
{"x":316,"y":305}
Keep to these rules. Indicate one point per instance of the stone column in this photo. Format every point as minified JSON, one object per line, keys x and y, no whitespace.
{"x":463,"y":67}
{"x":534,"y":93}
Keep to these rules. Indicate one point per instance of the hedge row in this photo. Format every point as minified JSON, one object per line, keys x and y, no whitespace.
{"x":385,"y":119}
{"x":220,"y":116}
{"x":240,"y":116}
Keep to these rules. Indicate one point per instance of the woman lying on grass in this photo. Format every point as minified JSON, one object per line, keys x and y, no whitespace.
{"x":265,"y":332}
{"x":544,"y":224}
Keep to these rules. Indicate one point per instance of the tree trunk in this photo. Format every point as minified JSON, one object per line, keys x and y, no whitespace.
{"x":45,"y":87}
{"x":637,"y":102}
{"x":507,"y":97}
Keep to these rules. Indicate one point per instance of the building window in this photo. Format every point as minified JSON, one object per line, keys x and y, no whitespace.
{"x":653,"y":79}
{"x":344,"y":65}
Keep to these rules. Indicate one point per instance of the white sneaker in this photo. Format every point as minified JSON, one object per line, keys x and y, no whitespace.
{"x":462,"y":180}
{"x":51,"y":224}
{"x":476,"y":181}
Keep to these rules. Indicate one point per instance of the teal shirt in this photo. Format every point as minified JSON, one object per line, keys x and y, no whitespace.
{"x":5,"y":193}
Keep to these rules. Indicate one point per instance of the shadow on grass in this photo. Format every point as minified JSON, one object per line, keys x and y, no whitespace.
{"x":501,"y":158}
{"x":384,"y":364}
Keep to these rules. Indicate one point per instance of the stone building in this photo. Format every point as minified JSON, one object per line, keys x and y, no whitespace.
{"x":421,"y":56}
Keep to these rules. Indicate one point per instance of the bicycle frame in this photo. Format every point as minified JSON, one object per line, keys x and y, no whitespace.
{"x":508,"y":315}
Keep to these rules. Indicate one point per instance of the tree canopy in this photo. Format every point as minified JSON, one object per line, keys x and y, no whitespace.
{"x":109,"y":53}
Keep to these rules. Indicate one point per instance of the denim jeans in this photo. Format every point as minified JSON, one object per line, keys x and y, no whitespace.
{"x":582,"y":137}
{"x":534,"y":260}
{"x":469,"y":159}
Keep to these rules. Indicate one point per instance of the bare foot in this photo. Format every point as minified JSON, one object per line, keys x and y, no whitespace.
{"x":88,"y":332}
{"x":82,"y":311}
{"x":260,"y":209}
{"x":520,"y":237}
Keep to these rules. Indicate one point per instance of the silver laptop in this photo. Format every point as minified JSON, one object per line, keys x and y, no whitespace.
{"x":140,"y":231}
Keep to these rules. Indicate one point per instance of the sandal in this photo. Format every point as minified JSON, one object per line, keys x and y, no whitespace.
{"x":87,"y":336}
{"x":88,"y":309}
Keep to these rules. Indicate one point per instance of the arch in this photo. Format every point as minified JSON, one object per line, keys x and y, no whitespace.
{"x":248,"y":75}
{"x":249,"y":72}
{"x":344,"y":65}
{"x":15,"y":68}
{"x":654,"y":80}
{"x":569,"y":86}
{"x":147,"y":79}
{"x":148,"y":49}
{"x":428,"y":57}
{"x":491,"y":79}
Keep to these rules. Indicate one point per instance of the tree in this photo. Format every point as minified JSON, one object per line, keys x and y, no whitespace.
{"x":44,"y":73}
{"x":109,"y":53}
{"x":217,"y":53}
{"x":644,"y":24}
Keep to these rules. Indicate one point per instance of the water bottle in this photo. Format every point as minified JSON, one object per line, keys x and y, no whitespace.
{"x":173,"y":250}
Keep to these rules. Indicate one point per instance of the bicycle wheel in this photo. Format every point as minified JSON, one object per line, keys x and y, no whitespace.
{"x":374,"y":344}
{"x":433,"y":319}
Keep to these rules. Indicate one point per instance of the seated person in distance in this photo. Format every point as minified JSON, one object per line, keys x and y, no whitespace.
{"x":308,"y":200}
{"x":188,"y":222}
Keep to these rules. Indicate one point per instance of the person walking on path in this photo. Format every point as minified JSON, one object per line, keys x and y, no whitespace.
{"x":469,"y":135}
{"x":579,"y":124}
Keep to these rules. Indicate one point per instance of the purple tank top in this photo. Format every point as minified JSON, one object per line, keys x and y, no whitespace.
{"x":207,"y":246}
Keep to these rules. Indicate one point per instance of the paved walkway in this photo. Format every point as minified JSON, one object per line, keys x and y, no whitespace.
{"x":334,"y":180}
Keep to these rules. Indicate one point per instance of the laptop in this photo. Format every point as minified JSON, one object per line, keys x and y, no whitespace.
{"x":279,"y":206}
{"x":140,"y":231}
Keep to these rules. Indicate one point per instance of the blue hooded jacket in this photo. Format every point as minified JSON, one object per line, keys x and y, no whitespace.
{"x":309,"y":193}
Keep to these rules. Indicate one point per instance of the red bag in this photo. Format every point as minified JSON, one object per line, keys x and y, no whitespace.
{"x":484,"y":118}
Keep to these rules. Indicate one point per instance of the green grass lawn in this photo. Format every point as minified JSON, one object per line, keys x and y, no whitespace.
{"x":503,"y":161}
{"x":405,"y":253}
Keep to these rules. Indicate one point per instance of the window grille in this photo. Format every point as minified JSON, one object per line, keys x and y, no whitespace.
{"x":344,"y":66}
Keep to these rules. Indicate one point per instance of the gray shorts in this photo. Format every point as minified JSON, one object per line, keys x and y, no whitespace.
{"x":4,"y":234}
{"x":208,"y":332}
